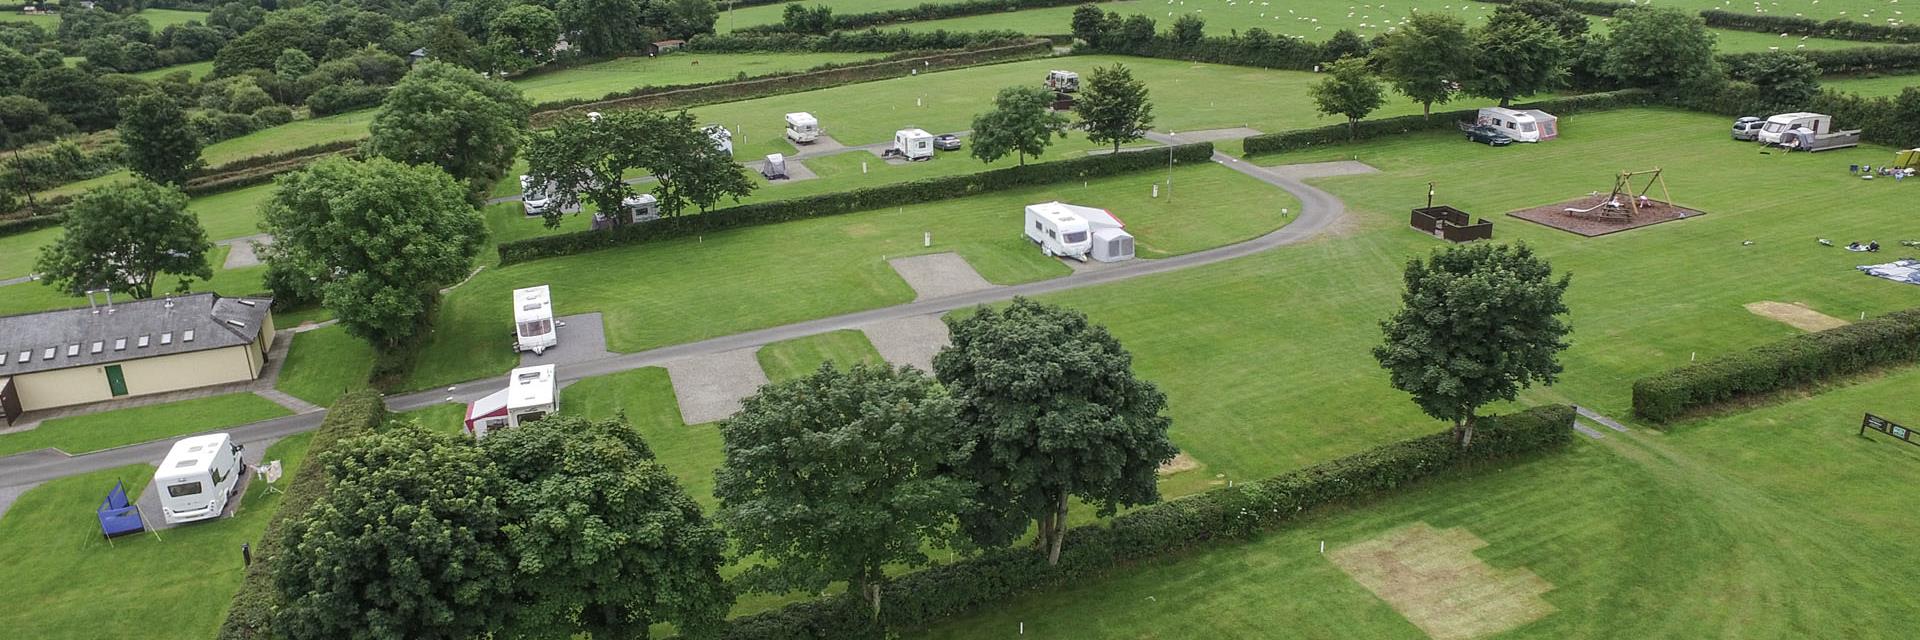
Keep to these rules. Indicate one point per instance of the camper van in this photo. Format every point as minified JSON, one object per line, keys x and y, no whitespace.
{"x":198,"y":477}
{"x":912,"y":144}
{"x":1058,"y":230}
{"x":802,"y":127}
{"x":533,"y":328}
{"x":529,"y":396}
{"x":1781,"y":123}
{"x":1530,"y":125}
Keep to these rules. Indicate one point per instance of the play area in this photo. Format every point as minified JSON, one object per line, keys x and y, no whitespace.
{"x":1630,"y":205}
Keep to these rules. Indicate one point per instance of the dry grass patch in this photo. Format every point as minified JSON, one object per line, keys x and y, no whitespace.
{"x":1796,"y":315}
{"x":1434,"y":580}
{"x":1180,"y":462}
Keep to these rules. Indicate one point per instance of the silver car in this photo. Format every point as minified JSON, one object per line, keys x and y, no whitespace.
{"x":1747,"y":128}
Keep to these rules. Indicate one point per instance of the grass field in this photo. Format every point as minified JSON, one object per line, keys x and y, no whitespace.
{"x":324,"y":364}
{"x":771,"y":13}
{"x":95,"y":431}
{"x":156,"y":18}
{"x":196,"y":70}
{"x":38,"y":296}
{"x":623,"y":74}
{"x":61,"y":580}
{"x":1874,"y":86}
{"x":826,"y":266}
{"x":19,"y":251}
{"x":232,"y":214}
{"x":796,"y":358}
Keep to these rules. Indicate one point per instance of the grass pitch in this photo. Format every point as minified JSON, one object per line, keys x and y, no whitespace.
{"x":95,"y":431}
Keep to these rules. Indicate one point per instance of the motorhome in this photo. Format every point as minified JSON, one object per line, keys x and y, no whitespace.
{"x":529,"y":396}
{"x":197,"y":478}
{"x":1058,"y":230}
{"x":803,"y":128}
{"x":912,"y":144}
{"x":1522,"y":125}
{"x":533,"y":328}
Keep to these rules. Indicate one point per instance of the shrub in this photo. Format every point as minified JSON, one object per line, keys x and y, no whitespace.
{"x":918,"y":599}
{"x":1368,"y":129}
{"x":251,"y":614}
{"x":927,"y":190}
{"x":273,"y":115}
{"x":341,"y":98}
{"x":214,"y":126}
{"x":1795,"y":361}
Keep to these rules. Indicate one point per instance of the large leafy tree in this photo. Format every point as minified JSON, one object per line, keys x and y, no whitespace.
{"x":835,"y":477}
{"x":1569,"y":23}
{"x":1349,"y":90}
{"x":1426,"y":59}
{"x":161,"y":145}
{"x":408,"y":541}
{"x":1089,"y":24}
{"x":453,"y":118}
{"x":373,"y":241}
{"x":1658,"y":47}
{"x":603,"y":27}
{"x":123,"y":237}
{"x":591,"y":157}
{"x":688,"y":18}
{"x":75,"y":95}
{"x":1022,"y":122}
{"x":1786,"y":80}
{"x":817,"y":20}
{"x":603,"y":539}
{"x":1055,"y":412}
{"x":1114,"y":107}
{"x":524,"y":35}
{"x":1516,"y":55}
{"x":1479,"y":323}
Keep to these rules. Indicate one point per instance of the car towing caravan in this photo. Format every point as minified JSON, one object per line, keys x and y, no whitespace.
{"x":1058,"y":230}
{"x":198,"y":477}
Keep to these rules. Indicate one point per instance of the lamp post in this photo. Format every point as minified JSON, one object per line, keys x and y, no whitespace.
{"x":1429,"y":195}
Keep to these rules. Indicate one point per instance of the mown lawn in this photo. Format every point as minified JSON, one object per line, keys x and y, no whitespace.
{"x":19,"y":251}
{"x":61,"y":580}
{"x":796,"y":358}
{"x":690,"y":289}
{"x":593,"y":81}
{"x":324,"y":364}
{"x":95,"y":431}
{"x":232,"y":214}
{"x":38,"y":296}
{"x":1873,"y":86}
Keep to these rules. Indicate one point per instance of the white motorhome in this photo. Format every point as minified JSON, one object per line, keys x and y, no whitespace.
{"x":1781,"y":123}
{"x":802,"y":127}
{"x":1058,"y":230}
{"x":533,"y":328}
{"x":1523,"y":125}
{"x":197,"y":478}
{"x":529,"y":396}
{"x":1063,"y":81}
{"x":912,"y":144}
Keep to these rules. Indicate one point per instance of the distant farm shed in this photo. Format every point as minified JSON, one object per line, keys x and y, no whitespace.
{"x":664,"y":46}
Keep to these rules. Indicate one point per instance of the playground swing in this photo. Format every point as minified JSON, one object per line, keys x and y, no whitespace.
{"x":1624,"y":202}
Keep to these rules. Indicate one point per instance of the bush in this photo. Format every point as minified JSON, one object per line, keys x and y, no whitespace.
{"x":251,"y":614}
{"x":918,"y":599}
{"x":341,"y":98}
{"x":1795,"y":361}
{"x":827,"y":204}
{"x":1368,"y":129}
{"x":214,"y":126}
{"x":273,"y":115}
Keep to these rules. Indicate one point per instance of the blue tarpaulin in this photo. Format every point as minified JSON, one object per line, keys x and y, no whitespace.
{"x":118,"y":515}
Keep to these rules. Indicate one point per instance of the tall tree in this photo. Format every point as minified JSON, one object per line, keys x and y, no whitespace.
{"x":123,"y":237}
{"x":603,"y":27}
{"x":373,"y":241}
{"x":1055,"y":412}
{"x":591,"y":157}
{"x":1427,"y":59}
{"x":816,"y":20}
{"x":161,"y":145}
{"x":440,"y":114}
{"x":1349,"y":90}
{"x":1786,"y":80}
{"x":408,"y":541}
{"x":1022,"y":121}
{"x":1516,"y":55}
{"x":524,"y":36}
{"x":689,"y":18}
{"x":1343,"y":44}
{"x":1479,"y":323}
{"x":1114,"y":107}
{"x":1658,"y":47}
{"x":75,"y":95}
{"x":834,"y":477}
{"x":1564,"y":19}
{"x":604,"y":540}
{"x":1089,"y":24}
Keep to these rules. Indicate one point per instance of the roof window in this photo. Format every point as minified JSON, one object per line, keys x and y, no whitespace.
{"x":186,"y":336}
{"x":119,"y":344}
{"x":143,"y":341}
{"x":98,"y":346}
{"x":48,"y":355}
{"x":73,"y":349}
{"x":166,"y":338}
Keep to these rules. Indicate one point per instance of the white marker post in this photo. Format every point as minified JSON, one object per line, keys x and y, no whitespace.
{"x":928,"y":240}
{"x":1323,"y":546}
{"x":863,"y":167}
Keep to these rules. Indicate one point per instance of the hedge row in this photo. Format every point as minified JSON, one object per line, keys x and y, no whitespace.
{"x":1836,"y":29}
{"x":827,"y":204}
{"x":1839,"y":61}
{"x":1369,"y":129}
{"x":1268,"y":52}
{"x":251,"y":615}
{"x":34,"y":223}
{"x":920,"y":599}
{"x":926,"y":11}
{"x":1795,"y":361}
{"x":277,"y":157}
{"x":869,"y":41}
{"x":651,"y":89}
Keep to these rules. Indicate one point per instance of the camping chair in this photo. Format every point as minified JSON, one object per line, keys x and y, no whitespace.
{"x":270,"y":473}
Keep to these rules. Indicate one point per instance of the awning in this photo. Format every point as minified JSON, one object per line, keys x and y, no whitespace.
{"x":492,"y":406}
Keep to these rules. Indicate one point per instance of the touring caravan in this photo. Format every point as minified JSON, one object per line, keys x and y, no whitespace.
{"x":1058,"y":230}
{"x":721,"y":137}
{"x":802,"y":127}
{"x":529,"y":396}
{"x":1778,"y":124}
{"x":197,"y":478}
{"x":912,"y":144}
{"x":1529,"y":125}
{"x":533,"y":328}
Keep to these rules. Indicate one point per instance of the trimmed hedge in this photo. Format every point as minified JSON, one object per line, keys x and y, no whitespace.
{"x":34,"y":223}
{"x":1795,"y":361}
{"x":827,"y":204}
{"x":277,"y":157}
{"x":1835,"y":29}
{"x":1885,"y":59}
{"x":651,"y":89}
{"x":1369,"y":129}
{"x":922,"y":598}
{"x":251,"y":615}
{"x":926,"y":11}
{"x":1277,"y":52}
{"x":869,"y":41}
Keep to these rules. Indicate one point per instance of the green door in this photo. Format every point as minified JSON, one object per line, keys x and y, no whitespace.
{"x":116,"y":381}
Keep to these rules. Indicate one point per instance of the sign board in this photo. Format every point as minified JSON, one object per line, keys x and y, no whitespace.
{"x":1888,"y":427}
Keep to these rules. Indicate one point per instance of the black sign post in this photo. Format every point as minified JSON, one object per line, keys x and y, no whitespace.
{"x":1888,"y":427}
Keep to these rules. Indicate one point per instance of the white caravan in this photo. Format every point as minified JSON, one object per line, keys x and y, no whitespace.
{"x":912,"y":144}
{"x":803,"y":127}
{"x":198,"y":477}
{"x":1530,"y":125}
{"x":721,"y":137}
{"x":1781,"y":123}
{"x":1058,"y":230}
{"x":529,"y":396}
{"x":533,"y":328}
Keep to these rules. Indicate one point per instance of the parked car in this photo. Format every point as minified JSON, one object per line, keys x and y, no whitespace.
{"x":1489,"y":135}
{"x":1747,"y":128}
{"x":947,"y":142}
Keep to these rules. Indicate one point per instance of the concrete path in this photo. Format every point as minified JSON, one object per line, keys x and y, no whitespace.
{"x":10,"y":494}
{"x":1311,"y":170}
{"x":1586,"y":430}
{"x":286,"y":401}
{"x":938,"y":275}
{"x":20,"y":280}
{"x":710,"y":387}
{"x":245,"y":251}
{"x":909,"y":341}
{"x":1319,"y":211}
{"x":583,"y":338}
{"x":1604,"y":421}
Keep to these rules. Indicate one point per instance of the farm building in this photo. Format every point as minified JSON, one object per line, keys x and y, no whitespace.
{"x":76,"y":356}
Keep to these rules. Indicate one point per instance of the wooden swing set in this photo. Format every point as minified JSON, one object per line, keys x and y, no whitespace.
{"x":1613,"y":207}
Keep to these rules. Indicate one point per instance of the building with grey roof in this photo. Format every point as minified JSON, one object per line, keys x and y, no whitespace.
{"x":90,"y":354}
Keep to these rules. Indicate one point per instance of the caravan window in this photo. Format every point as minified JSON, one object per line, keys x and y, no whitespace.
{"x":219,"y":477}
{"x":1076,"y":236}
{"x":539,"y":327}
{"x":1526,"y":126}
{"x":1051,"y":235}
{"x":184,"y":489}
{"x":1036,"y":225}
